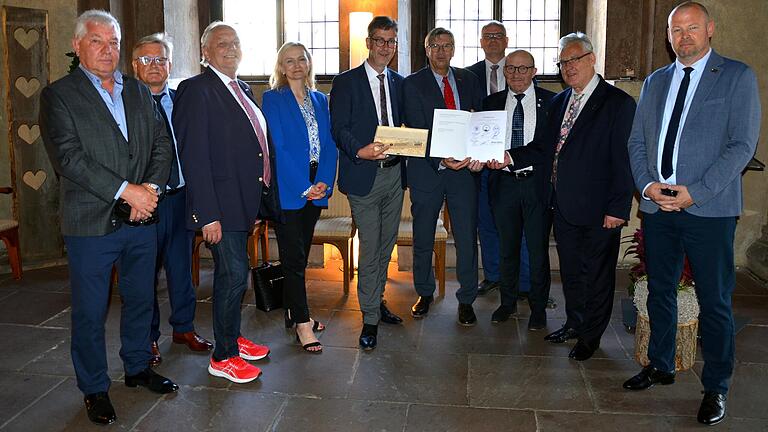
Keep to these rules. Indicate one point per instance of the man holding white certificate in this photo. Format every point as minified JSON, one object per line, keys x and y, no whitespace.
{"x":431,"y":180}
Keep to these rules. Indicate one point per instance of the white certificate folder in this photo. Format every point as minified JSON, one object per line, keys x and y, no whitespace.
{"x":478,"y":135}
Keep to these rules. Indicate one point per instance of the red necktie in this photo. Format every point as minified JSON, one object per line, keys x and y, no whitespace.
{"x":450,"y":102}
{"x":257,"y":128}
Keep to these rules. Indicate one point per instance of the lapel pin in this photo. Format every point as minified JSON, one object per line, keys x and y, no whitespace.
{"x":714,"y":70}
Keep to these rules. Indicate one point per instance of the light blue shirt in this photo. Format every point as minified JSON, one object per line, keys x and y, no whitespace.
{"x":167,"y":104}
{"x":114,"y":103}
{"x":452,"y":82}
{"x":677,"y":78}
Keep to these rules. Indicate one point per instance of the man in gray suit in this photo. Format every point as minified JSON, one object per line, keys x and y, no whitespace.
{"x":110,"y":148}
{"x":696,"y":127}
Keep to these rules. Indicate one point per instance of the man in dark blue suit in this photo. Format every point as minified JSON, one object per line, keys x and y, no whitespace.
{"x":152,"y":59}
{"x":490,"y":72}
{"x":519,"y":197}
{"x":86,"y":120}
{"x":696,"y":128}
{"x":362,"y":99}
{"x":229,"y":168}
{"x":584,"y":152}
{"x":433,"y":180}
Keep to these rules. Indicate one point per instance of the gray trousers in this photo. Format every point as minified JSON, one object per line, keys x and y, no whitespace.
{"x":377,"y":216}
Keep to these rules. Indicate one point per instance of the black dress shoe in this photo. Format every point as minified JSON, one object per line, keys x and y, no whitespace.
{"x":421,"y":308}
{"x":99,"y":408}
{"x":368,"y":337}
{"x":712,"y":409}
{"x":648,"y":377}
{"x":467,"y":315}
{"x":502,"y":313}
{"x":562,"y":335}
{"x":151,"y":380}
{"x":537,"y":321}
{"x":486,"y":286}
{"x":582,"y":351}
{"x":387,"y":316}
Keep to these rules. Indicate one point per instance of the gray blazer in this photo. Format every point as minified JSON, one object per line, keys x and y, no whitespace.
{"x":718,"y":138}
{"x":91,"y":156}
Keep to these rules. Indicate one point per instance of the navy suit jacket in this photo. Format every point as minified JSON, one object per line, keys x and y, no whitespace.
{"x":479,"y":70}
{"x":291,"y":142}
{"x":716,"y":143}
{"x":423,"y":96}
{"x":498,"y":101}
{"x":593,"y":173}
{"x":353,"y":123}
{"x":221,"y":157}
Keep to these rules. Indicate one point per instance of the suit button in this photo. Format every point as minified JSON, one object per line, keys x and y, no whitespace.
{"x":130,"y":156}
{"x":261,"y":155}
{"x":261,"y":179}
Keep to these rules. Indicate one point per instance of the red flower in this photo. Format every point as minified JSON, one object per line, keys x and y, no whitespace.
{"x":638,"y":271}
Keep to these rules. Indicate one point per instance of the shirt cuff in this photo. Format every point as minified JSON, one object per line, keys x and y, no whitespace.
{"x":209,"y":223}
{"x":642,"y":194}
{"x":306,"y":192}
{"x":122,"y":189}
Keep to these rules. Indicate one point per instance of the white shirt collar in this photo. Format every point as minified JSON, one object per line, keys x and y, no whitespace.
{"x":372,"y":74}
{"x":698,"y":66}
{"x":501,"y":63}
{"x":224,"y":78}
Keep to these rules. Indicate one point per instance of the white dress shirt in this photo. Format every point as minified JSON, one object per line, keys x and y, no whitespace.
{"x":529,"y":118}
{"x":501,"y":82}
{"x":259,"y":116}
{"x":374,"y":83}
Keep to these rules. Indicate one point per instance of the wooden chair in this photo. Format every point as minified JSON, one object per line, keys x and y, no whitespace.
{"x":405,"y":238}
{"x":261,"y":236}
{"x":9,"y":233}
{"x":335,"y":227}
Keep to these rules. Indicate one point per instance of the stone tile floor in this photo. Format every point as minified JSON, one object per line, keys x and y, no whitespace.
{"x":428,"y":375}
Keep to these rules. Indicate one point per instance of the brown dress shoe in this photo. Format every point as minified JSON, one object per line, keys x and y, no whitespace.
{"x":156,"y":359}
{"x":194,"y":341}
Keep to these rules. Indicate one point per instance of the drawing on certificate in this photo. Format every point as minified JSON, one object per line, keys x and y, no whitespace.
{"x":477,"y":135}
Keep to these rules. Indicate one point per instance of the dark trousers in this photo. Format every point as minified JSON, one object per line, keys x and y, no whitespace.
{"x":90,"y":259}
{"x":294,"y":239}
{"x":230,"y":279}
{"x":518,"y":209}
{"x":486,"y":230}
{"x":708,"y":243}
{"x":588,"y":256}
{"x":458,"y":188}
{"x":174,"y":253}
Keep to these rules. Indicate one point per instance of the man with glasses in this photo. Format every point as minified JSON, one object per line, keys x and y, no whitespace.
{"x":433,"y":180}
{"x":519,"y":196}
{"x":152,"y":64}
{"x":362,"y":99}
{"x":696,"y":128}
{"x":584,"y":152}
{"x":490,"y":72}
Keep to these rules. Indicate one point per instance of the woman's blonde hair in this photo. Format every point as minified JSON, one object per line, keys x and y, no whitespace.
{"x":278,"y":79}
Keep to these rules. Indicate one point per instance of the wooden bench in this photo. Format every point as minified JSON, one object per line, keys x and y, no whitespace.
{"x":335,"y":227}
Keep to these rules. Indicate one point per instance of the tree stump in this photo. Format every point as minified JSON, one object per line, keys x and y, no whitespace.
{"x":685,"y":343}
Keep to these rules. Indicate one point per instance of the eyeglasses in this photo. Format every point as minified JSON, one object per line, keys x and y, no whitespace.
{"x":563,"y":63}
{"x":438,"y":47}
{"x":380,"y":42}
{"x":498,"y":35}
{"x":519,"y":69}
{"x":147,"y":60}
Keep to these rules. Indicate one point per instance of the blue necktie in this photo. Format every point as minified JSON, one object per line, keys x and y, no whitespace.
{"x":674,"y":124}
{"x":173,"y":180}
{"x":517,"y":122}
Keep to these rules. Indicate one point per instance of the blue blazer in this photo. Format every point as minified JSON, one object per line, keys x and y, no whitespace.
{"x":424,"y":96}
{"x":291,"y":140}
{"x":221,"y":156}
{"x":717,"y":141}
{"x":354,"y":121}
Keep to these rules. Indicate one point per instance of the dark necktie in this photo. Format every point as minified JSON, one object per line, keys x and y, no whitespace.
{"x":383,"y":101}
{"x":450,"y":102}
{"x":674,"y":124}
{"x":494,"y":84}
{"x":173,"y":180}
{"x":518,"y":118}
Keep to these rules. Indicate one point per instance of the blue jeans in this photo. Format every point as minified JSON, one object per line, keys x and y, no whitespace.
{"x":230,"y":279}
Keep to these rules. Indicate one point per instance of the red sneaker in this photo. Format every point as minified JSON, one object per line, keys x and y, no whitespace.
{"x":250,"y":350}
{"x":234,"y":369}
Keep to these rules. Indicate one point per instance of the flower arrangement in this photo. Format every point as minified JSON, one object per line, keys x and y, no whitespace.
{"x":638,"y":271}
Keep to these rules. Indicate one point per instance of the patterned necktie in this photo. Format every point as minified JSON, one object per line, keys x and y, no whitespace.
{"x":173,"y":180}
{"x":494,"y":79}
{"x":674,"y":124}
{"x":450,"y":102}
{"x":383,"y":101}
{"x":518,"y":118}
{"x":267,"y":176}
{"x":565,"y":129}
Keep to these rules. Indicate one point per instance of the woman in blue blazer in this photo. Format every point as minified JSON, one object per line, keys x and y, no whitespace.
{"x":299,"y":121}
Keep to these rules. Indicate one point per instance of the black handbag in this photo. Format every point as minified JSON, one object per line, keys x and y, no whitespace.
{"x":268,"y":286}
